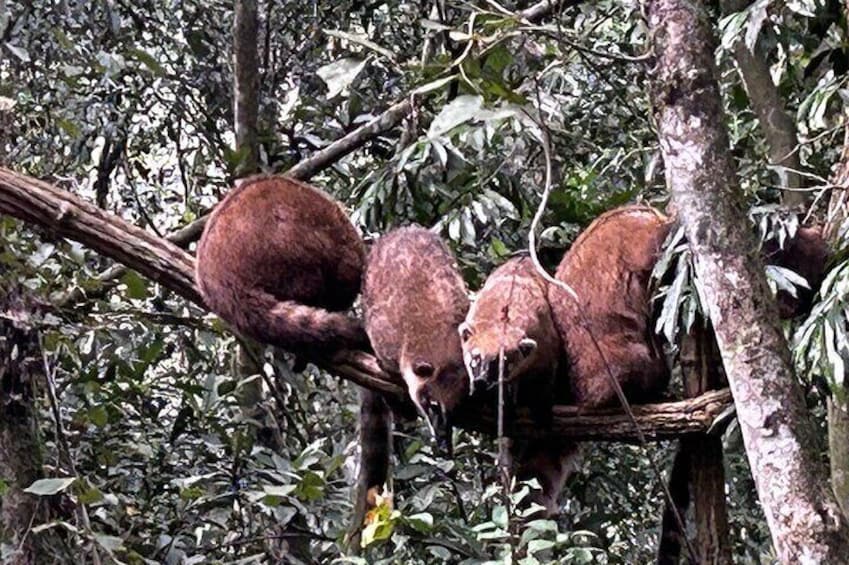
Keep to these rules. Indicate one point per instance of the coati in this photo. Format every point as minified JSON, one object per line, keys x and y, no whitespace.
{"x":511,"y":312}
{"x":807,"y":254}
{"x":413,"y":300}
{"x":609,"y":267}
{"x":278,"y":260}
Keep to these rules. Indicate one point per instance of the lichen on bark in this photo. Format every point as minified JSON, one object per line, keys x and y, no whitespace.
{"x":803,"y":516}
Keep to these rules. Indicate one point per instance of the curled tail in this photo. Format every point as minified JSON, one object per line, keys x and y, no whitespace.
{"x":286,"y":324}
{"x":375,"y":450}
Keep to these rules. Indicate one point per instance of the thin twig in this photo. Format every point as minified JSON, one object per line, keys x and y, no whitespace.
{"x":49,"y":375}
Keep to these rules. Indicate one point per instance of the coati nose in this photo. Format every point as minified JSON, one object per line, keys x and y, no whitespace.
{"x":492,"y":372}
{"x":439,"y":425}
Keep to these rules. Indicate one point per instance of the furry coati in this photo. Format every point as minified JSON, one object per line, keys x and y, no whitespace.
{"x":609,"y":267}
{"x":413,"y":300}
{"x":278,"y":260}
{"x":806,"y":253}
{"x":511,"y":312}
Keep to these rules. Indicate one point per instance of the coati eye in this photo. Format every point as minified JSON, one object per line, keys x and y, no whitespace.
{"x":465,"y":332}
{"x":423,"y":369}
{"x":527,"y":346}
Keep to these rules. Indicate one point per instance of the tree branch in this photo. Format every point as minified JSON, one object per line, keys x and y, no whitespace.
{"x":40,"y":203}
{"x":326,"y":157}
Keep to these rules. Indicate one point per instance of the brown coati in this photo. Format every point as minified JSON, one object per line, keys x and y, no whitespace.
{"x":511,"y":312}
{"x":609,"y":267}
{"x":413,"y":300}
{"x":807,"y":254}
{"x":278,"y":260}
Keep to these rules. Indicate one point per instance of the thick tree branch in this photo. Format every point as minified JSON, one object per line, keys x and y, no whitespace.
{"x":246,"y":85}
{"x":66,"y":215}
{"x":778,"y":128}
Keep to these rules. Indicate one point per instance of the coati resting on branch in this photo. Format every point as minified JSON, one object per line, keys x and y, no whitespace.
{"x":279,"y":260}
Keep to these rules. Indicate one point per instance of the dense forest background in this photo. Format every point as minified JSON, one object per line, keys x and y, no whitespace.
{"x":171,"y":442}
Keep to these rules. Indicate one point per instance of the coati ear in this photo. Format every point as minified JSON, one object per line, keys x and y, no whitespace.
{"x":423,"y":369}
{"x":465,"y":331}
{"x":527,"y":346}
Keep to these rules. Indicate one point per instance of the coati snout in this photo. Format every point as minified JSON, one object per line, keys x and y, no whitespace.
{"x":482,"y":362}
{"x":413,"y":300}
{"x":434,"y":393}
{"x":511,"y":313}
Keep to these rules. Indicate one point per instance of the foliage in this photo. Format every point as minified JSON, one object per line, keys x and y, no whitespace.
{"x":128,"y":103}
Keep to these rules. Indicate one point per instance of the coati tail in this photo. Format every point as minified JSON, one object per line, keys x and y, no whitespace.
{"x":375,"y":440}
{"x":286,"y":324}
{"x":375,"y":449}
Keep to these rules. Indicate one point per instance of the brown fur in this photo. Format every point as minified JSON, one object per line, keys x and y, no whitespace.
{"x":609,"y":267}
{"x":277,"y":259}
{"x":807,"y":254}
{"x":511,"y":311}
{"x":414,"y":298}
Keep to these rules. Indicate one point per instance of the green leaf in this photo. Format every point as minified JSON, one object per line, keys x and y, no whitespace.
{"x":458,"y":111}
{"x":49,"y":487}
{"x":339,"y":75}
{"x":422,"y":522}
{"x":499,"y":517}
{"x":109,"y":543}
{"x":536,"y":545}
{"x":69,"y":127}
{"x":434,"y":85}
{"x":362,"y":40}
{"x":19,"y":52}
{"x":136,"y":286}
{"x":147,"y":60}
{"x":90,"y":496}
{"x":98,"y":416}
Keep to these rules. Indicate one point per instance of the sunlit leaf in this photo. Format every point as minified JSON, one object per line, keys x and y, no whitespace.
{"x":339,"y":75}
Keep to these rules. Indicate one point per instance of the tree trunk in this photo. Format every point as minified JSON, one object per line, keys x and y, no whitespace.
{"x":803,"y":516}
{"x":20,"y":449}
{"x":778,"y":128}
{"x":246,"y":85}
{"x":701,"y":365}
{"x":838,"y":404}
{"x":698,"y":473}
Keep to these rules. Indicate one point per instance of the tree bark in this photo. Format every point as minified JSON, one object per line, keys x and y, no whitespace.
{"x":246,"y":85}
{"x":20,"y":449}
{"x":838,"y":404}
{"x":777,"y":126}
{"x":66,"y":215}
{"x":701,"y":366}
{"x":803,"y":516}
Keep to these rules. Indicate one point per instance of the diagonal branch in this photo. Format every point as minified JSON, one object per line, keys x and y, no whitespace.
{"x":64,"y":214}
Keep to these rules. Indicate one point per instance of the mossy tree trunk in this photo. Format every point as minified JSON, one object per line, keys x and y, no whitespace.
{"x":804,"y":518}
{"x":20,"y":449}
